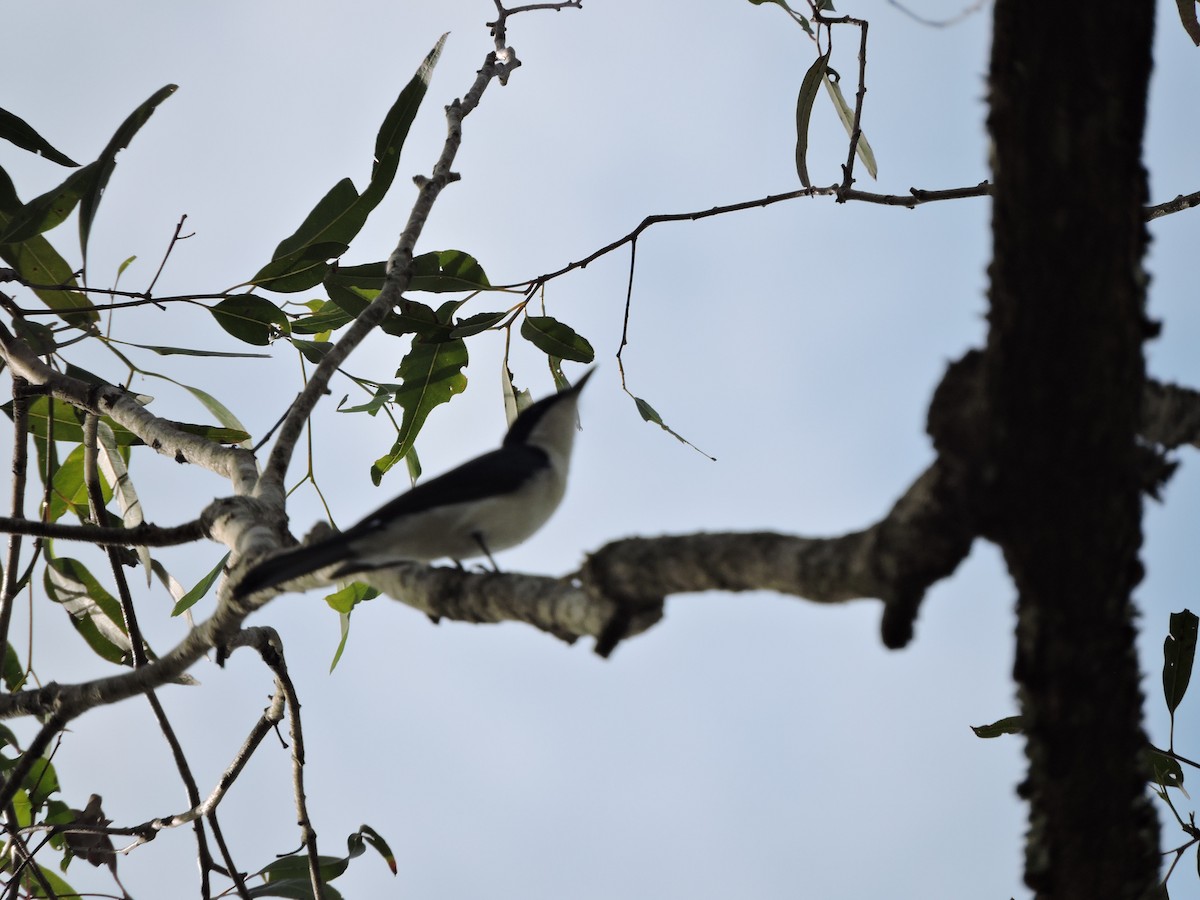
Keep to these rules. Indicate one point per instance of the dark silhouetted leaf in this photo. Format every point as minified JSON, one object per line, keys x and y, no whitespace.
{"x":1179,"y":651}
{"x":250,"y":318}
{"x":1009,"y":725}
{"x":804,"y":104}
{"x":107,"y":162}
{"x":17,"y":131}
{"x":556,"y":339}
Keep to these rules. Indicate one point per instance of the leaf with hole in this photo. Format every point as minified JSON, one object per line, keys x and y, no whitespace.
{"x":1179,"y":651}
{"x":17,"y":131}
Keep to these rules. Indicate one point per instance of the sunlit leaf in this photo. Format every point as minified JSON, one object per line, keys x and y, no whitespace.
{"x":95,"y":613}
{"x":846,"y":114}
{"x":202,"y":587}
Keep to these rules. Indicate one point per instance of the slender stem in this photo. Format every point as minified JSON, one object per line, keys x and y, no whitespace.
{"x":20,"y":464}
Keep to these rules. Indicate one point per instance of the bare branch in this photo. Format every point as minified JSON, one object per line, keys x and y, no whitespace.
{"x":1180,"y":203}
{"x":145,"y":535}
{"x":20,"y":466}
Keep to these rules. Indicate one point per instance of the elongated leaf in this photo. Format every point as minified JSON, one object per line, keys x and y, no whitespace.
{"x":68,"y":491}
{"x":340,"y":215}
{"x":39,"y":263}
{"x":16,"y":130}
{"x":107,"y":162}
{"x":1187,"y":17}
{"x":1179,"y":650}
{"x":804,"y":104}
{"x":1008,"y":725}
{"x":1166,"y":771}
{"x":313,"y":351}
{"x":556,"y":339}
{"x":49,"y":210}
{"x":334,"y":218}
{"x":95,"y":613}
{"x":477,"y":323}
{"x":191,"y":351}
{"x":846,"y":114}
{"x":250,"y":318}
{"x":344,"y":601}
{"x":329,"y":317}
{"x":650,"y":414}
{"x":431,"y":374}
{"x":202,"y":587}
{"x":300,"y":269}
{"x":394,"y":130}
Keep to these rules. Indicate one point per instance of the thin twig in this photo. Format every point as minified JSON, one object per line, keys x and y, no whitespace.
{"x":20,"y":463}
{"x":175,"y":239}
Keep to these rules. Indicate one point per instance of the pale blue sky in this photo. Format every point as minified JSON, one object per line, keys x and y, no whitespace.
{"x":751,"y":745}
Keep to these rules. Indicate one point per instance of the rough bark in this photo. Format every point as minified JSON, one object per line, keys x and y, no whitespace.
{"x":1064,"y":375}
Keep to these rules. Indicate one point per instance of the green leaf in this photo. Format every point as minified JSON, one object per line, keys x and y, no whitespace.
{"x":650,"y":414}
{"x":804,"y":104}
{"x":447,"y":270}
{"x":300,"y":269}
{"x":846,"y":114}
{"x":39,"y":263}
{"x":67,"y":422}
{"x":107,"y":162}
{"x":39,"y":337}
{"x":333,"y":219}
{"x":294,"y":889}
{"x":50,"y":209}
{"x":1165,"y":771}
{"x":340,"y":215}
{"x":95,"y":613}
{"x":314,"y":351}
{"x":330,"y":316}
{"x":250,"y":318}
{"x":1179,"y":650}
{"x":17,"y":131}
{"x":477,"y":323}
{"x":68,"y":492}
{"x":291,"y":867}
{"x":556,"y":339}
{"x":430,"y":374}
{"x":1187,"y":17}
{"x":13,"y":672}
{"x":1009,"y":725}
{"x":40,"y":782}
{"x":395,"y":127}
{"x":190,"y":351}
{"x":202,"y":587}
{"x":380,"y":845}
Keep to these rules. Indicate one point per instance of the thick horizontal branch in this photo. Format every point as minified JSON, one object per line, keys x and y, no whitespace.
{"x":160,"y":435}
{"x":144,"y":535}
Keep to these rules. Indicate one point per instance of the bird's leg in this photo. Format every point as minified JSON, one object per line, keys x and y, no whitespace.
{"x":483,"y":546}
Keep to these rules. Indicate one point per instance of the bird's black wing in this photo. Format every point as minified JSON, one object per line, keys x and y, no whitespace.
{"x":495,"y":473}
{"x":498,"y":472}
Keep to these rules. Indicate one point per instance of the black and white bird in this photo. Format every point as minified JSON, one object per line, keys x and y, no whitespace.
{"x":487,"y":504}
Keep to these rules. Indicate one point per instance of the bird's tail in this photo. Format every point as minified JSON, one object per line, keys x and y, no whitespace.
{"x":291,"y":564}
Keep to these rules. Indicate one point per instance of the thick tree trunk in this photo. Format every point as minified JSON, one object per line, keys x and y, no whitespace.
{"x":1064,"y":375}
